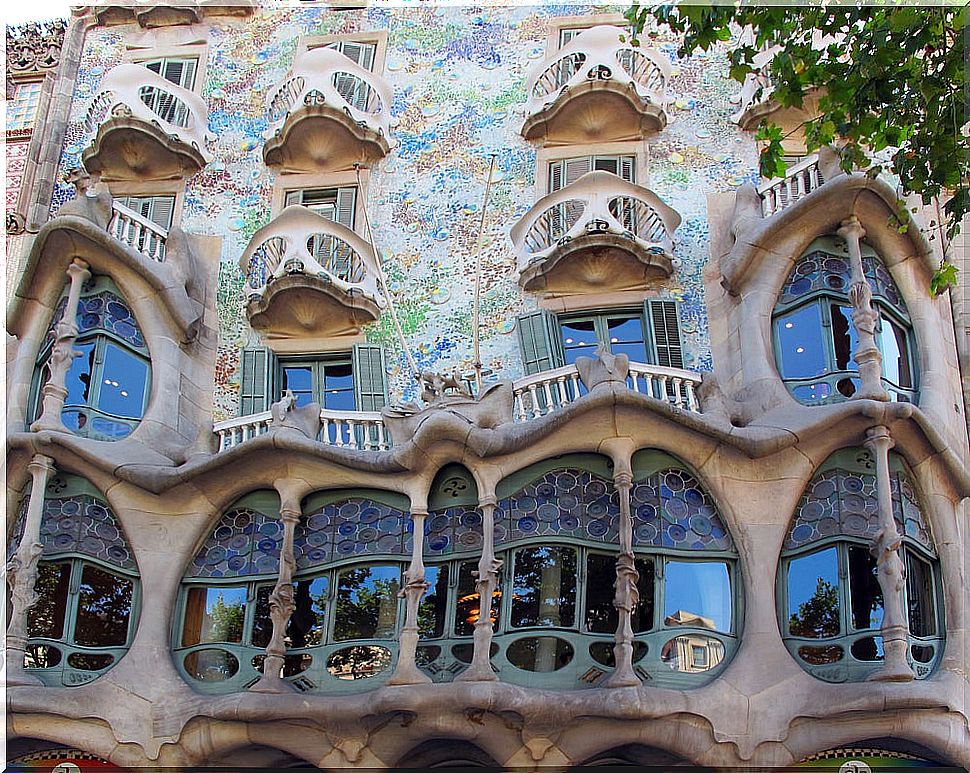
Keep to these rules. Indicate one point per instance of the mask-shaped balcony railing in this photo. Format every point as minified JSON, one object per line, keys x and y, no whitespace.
{"x":329,"y":272}
{"x":598,"y":211}
{"x":162,"y":126}
{"x":597,"y":67}
{"x":352,"y":103}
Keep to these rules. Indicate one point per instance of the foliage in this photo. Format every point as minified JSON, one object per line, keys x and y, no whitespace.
{"x":227,"y":619}
{"x":890,"y":80}
{"x":818,"y":618}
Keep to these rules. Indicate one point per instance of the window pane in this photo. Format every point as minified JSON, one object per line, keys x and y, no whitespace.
{"x":697,"y":593}
{"x":813,"y":595}
{"x":544,"y":587}
{"x":801,"y":346}
{"x":299,"y":380}
{"x":78,"y":379}
{"x":469,"y":610}
{"x":626,"y":337}
{"x":895,"y":354}
{"x":601,"y":615}
{"x":865,"y":593}
{"x":338,"y":387}
{"x":23,"y":111}
{"x":46,"y":617}
{"x":307,"y":624}
{"x":367,"y":602}
{"x":123,"y":381}
{"x":214,"y":614}
{"x":103,"y":609}
{"x":922,"y":600}
{"x":578,"y":339}
{"x":434,"y":605}
{"x":844,"y":338}
{"x":262,"y":622}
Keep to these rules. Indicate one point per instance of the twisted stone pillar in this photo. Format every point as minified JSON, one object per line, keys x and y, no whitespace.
{"x":22,"y":573}
{"x":281,"y":602}
{"x":891,"y":571}
{"x":415,"y":586}
{"x":626,"y":596}
{"x":62,"y":354}
{"x":486,"y":584}
{"x":864,"y":316}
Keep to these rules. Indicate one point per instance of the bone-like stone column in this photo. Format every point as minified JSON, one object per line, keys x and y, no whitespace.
{"x":415,"y":586}
{"x":281,"y":603}
{"x":864,"y":316}
{"x":486,"y":584}
{"x":627,"y":596}
{"x":62,"y":354}
{"x":22,"y":573}
{"x":891,"y":570}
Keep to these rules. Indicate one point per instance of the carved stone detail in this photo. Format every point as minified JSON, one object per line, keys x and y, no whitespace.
{"x":35,"y":48}
{"x":415,"y":586}
{"x":286,"y":416}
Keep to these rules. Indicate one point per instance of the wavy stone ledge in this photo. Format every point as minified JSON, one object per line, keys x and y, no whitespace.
{"x":128,"y":148}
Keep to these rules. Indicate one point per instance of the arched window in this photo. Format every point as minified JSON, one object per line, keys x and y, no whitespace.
{"x":349,"y":549}
{"x":815,"y":340}
{"x":108,"y":385}
{"x":87,"y":583}
{"x":556,"y":533}
{"x":831,"y":602}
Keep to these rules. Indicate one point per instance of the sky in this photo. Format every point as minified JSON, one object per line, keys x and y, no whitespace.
{"x":19,"y":11}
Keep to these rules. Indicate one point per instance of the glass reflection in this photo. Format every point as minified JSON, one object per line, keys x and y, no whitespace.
{"x":299,"y":380}
{"x":692,"y":653}
{"x":578,"y":339}
{"x":306,"y":625}
{"x":800,"y":343}
{"x":367,"y":602}
{"x":541,"y":654}
{"x":104,"y":608}
{"x":920,"y":596}
{"x":895,"y":354}
{"x":214,"y":615}
{"x":78,"y":379}
{"x":865,"y":593}
{"x":469,"y":609}
{"x":358,"y":662}
{"x":434,"y":606}
{"x":46,"y":617}
{"x":697,"y":593}
{"x":544,"y":587}
{"x":625,"y":336}
{"x":211,"y":665}
{"x":844,"y":337}
{"x":601,"y":615}
{"x":813,"y":595}
{"x":338,"y":387}
{"x":123,"y":381}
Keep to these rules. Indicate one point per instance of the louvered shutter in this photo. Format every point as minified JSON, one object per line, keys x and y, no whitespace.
{"x":370,"y":386}
{"x":160,"y":210}
{"x":664,"y":320}
{"x":628,"y":169}
{"x":555,"y":176}
{"x":576,"y":168}
{"x":293,"y":197}
{"x":256,"y":383}
{"x":346,"y":204}
{"x":540,"y":341}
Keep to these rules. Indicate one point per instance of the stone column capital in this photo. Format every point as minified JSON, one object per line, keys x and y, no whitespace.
{"x":40,"y":465}
{"x":878,"y":439}
{"x":851,"y":228}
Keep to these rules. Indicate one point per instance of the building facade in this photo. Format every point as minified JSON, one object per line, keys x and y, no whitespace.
{"x":441,"y":384}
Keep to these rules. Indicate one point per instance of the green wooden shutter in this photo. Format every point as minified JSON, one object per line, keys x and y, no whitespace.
{"x":370,"y":387}
{"x":346,"y":204}
{"x":256,"y":392}
{"x":540,"y":340}
{"x":664,"y":321}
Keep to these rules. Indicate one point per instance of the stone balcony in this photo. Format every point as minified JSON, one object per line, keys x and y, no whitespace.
{"x":309,"y":276}
{"x":599,"y":233}
{"x":145,"y":127}
{"x":173,"y":13}
{"x":597,"y":89}
{"x":329,"y":114}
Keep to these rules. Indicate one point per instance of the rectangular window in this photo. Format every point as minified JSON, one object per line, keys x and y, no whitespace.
{"x":157,"y":209}
{"x":362,"y":54}
{"x":22,"y":111}
{"x":214,"y":614}
{"x":367,"y":602}
{"x":813,"y":595}
{"x":180,"y":71}
{"x":920,"y":595}
{"x":698,"y":594}
{"x":566,"y":171}
{"x":618,"y":333}
{"x":469,"y":607}
{"x":337,"y":204}
{"x":329,"y":382}
{"x":544,"y":587}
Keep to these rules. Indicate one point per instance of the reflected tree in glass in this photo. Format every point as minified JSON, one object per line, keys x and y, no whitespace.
{"x":544,"y":587}
{"x":814,"y":616}
{"x":434,"y":605}
{"x":367,"y":602}
{"x":104,"y":608}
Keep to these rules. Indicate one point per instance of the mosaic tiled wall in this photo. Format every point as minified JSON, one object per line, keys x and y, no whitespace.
{"x":458,"y":75}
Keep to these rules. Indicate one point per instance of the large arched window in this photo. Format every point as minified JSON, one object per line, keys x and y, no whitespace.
{"x":556,"y":532}
{"x":831,"y":604}
{"x":349,"y":549}
{"x":84,"y":619}
{"x":108,"y":385}
{"x":815,"y":340}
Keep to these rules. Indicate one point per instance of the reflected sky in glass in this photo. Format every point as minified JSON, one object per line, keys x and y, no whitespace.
{"x":804,"y":575}
{"x":78,"y":379}
{"x":800,"y":343}
{"x":700,"y":588}
{"x":123,"y":381}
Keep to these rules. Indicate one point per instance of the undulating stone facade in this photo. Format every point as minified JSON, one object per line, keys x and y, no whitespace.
{"x":402,"y":386}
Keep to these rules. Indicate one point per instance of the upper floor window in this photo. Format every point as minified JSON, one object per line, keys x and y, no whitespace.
{"x":337,"y":204}
{"x":566,"y":171}
{"x":109,"y":384}
{"x":650,"y":334}
{"x":180,"y":71}
{"x":22,"y":110}
{"x":832,"y":601}
{"x":815,"y":339}
{"x":167,"y":106}
{"x":364,"y":54}
{"x":328,"y":381}
{"x":87,"y":586}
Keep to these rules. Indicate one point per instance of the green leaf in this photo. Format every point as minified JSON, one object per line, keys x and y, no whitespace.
{"x":944,"y":277}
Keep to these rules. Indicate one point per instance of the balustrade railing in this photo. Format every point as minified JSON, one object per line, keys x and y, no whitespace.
{"x":800,"y":180}
{"x":533,"y":396}
{"x":137,"y":231}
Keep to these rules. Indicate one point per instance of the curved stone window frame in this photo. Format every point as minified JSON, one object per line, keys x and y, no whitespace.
{"x":98,"y":344}
{"x":442,"y":656}
{"x":818,"y":655}
{"x":317,"y":582}
{"x":837,"y":380}
{"x":59,"y":658}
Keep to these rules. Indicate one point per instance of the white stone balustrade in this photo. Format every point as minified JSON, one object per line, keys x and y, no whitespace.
{"x":301,"y":241}
{"x":598,"y":54}
{"x":134,"y":90}
{"x":598,"y":202}
{"x":799,"y":180}
{"x":139,"y":232}
{"x":534,"y":396}
{"x":326,"y":76}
